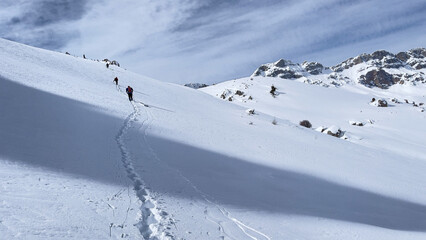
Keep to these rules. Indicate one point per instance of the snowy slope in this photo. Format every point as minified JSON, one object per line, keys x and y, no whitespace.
{"x":401,"y":124}
{"x":79,"y":161}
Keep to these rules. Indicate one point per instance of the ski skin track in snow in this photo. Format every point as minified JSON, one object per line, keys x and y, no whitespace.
{"x":149,"y":224}
{"x":249,"y":232}
{"x":148,"y":203}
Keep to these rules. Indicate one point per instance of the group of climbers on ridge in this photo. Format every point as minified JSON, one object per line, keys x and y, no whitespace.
{"x":129,"y":90}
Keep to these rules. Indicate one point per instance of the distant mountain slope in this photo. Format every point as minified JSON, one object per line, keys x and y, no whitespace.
{"x":379,"y":69}
{"x":196,"y":85}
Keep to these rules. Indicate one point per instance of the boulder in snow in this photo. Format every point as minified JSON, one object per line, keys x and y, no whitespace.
{"x":379,"y":102}
{"x":250,"y":111}
{"x":382,"y":103}
{"x":320,"y":129}
{"x":305,"y":123}
{"x":334,"y":131}
{"x":356,"y":123}
{"x":239,"y":93}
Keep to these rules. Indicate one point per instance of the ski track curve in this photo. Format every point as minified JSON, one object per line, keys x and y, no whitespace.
{"x":150,"y":222}
{"x":248,"y":231}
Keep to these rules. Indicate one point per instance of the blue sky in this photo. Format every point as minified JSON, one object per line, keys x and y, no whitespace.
{"x":210,"y":41}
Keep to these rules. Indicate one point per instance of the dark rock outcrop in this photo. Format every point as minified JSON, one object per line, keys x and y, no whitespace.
{"x":379,"y":55}
{"x":260,"y":70}
{"x":313,"y":68}
{"x":378,"y":78}
{"x":305,"y":123}
{"x":418,"y":52}
{"x":403,"y":56}
{"x":382,"y":103}
{"x":285,"y":73}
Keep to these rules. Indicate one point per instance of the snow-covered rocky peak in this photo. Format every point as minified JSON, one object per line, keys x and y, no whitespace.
{"x":288,"y":70}
{"x":380,"y":69}
{"x":378,"y":58}
{"x":414,"y":58}
{"x":383,"y":69}
{"x":281,"y":68}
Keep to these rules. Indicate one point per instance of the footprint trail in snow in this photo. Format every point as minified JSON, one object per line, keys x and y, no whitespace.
{"x":150,"y":223}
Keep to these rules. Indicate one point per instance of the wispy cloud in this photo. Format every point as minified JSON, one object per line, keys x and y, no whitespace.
{"x":213,"y":40}
{"x":40,"y":23}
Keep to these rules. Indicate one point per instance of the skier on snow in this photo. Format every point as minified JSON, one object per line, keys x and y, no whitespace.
{"x":129,"y":92}
{"x":116,"y":80}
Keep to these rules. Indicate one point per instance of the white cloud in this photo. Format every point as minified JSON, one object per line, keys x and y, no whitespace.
{"x":118,"y":27}
{"x":213,"y":40}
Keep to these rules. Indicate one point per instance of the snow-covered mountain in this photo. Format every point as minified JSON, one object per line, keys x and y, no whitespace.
{"x":379,"y":69}
{"x":196,"y":85}
{"x":79,"y":161}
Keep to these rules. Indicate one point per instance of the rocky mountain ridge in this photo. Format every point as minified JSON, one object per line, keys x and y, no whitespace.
{"x":380,"y":69}
{"x":196,"y":85}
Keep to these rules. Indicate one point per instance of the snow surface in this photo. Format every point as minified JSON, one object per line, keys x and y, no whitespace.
{"x":79,"y":161}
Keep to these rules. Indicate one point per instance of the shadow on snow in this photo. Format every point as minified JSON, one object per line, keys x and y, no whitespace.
{"x":58,"y":133}
{"x":63,"y":143}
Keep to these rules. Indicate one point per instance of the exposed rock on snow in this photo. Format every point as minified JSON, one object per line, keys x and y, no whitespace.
{"x":230,"y":94}
{"x":313,"y":68}
{"x":305,"y":123}
{"x":111,"y":62}
{"x":225,"y":94}
{"x":239,"y":93}
{"x":356,"y":123}
{"x":196,"y":85}
{"x":378,"y":78}
{"x":250,"y":111}
{"x":334,"y":131}
{"x":379,"y":102}
{"x":395,"y":100}
{"x":382,"y":103}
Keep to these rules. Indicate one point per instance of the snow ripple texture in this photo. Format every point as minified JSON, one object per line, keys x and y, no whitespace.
{"x":150,"y":221}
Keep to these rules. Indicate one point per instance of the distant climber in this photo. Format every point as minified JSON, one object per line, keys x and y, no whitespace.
{"x":84,"y":56}
{"x":129,"y":92}
{"x":116,"y":80}
{"x":272,"y":92}
{"x":107,"y":65}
